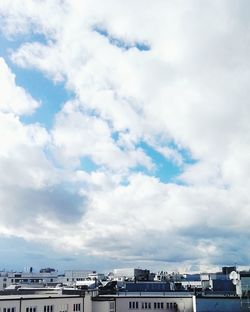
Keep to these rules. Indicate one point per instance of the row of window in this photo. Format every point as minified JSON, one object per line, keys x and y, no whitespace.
{"x":46,"y":308}
{"x":31,"y":309}
{"x":77,"y":307}
{"x":26,"y":280}
{"x":134,"y":305}
{"x":8,"y":309}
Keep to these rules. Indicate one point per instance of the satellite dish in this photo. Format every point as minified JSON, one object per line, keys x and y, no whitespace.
{"x":233,"y":275}
{"x":235,"y":281}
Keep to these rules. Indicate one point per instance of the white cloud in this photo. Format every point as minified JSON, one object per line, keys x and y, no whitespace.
{"x":188,"y":92}
{"x":14,"y":99}
{"x":76,"y":135}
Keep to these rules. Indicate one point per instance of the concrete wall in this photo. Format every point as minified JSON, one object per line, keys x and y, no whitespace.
{"x":87,"y":303}
{"x":169,"y":304}
{"x":101,"y":306}
{"x":60,"y":304}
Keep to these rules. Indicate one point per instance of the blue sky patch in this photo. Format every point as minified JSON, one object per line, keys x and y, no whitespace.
{"x":88,"y":165}
{"x":165,"y":170}
{"x":118,"y":42}
{"x":51,"y":95}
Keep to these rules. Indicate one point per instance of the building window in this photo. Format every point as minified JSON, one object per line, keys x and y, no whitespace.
{"x":31,"y":309}
{"x":77,"y":307}
{"x":48,"y":308}
{"x":133,"y":305}
{"x":12,"y":309}
{"x":64,"y":308}
{"x":111,"y":307}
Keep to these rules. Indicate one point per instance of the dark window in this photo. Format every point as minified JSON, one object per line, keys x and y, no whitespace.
{"x":149,"y":305}
{"x":161,"y":305}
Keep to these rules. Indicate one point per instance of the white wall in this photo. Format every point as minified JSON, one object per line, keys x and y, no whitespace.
{"x":101,"y":306}
{"x":184,"y":304}
{"x":87,"y":302}
{"x":59,"y":303}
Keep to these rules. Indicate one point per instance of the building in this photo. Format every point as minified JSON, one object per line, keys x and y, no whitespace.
{"x":133,"y":274}
{"x":72,"y":300}
{"x":44,"y":303}
{"x":47,"y":276}
{"x":127,"y":302}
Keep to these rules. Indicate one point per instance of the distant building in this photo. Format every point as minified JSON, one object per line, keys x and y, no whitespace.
{"x":226,"y":270}
{"x":132,"y":274}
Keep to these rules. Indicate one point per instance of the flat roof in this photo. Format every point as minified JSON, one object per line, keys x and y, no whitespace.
{"x":37,"y":296}
{"x":144,"y":294}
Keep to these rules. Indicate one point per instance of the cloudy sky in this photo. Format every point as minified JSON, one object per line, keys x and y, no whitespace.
{"x":124,"y":133}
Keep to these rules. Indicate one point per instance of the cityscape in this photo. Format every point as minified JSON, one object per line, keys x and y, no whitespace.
{"x":124,"y":155}
{"x":124,"y":289}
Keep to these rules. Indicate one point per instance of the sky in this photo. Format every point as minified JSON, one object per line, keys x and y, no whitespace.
{"x":124,"y":134}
